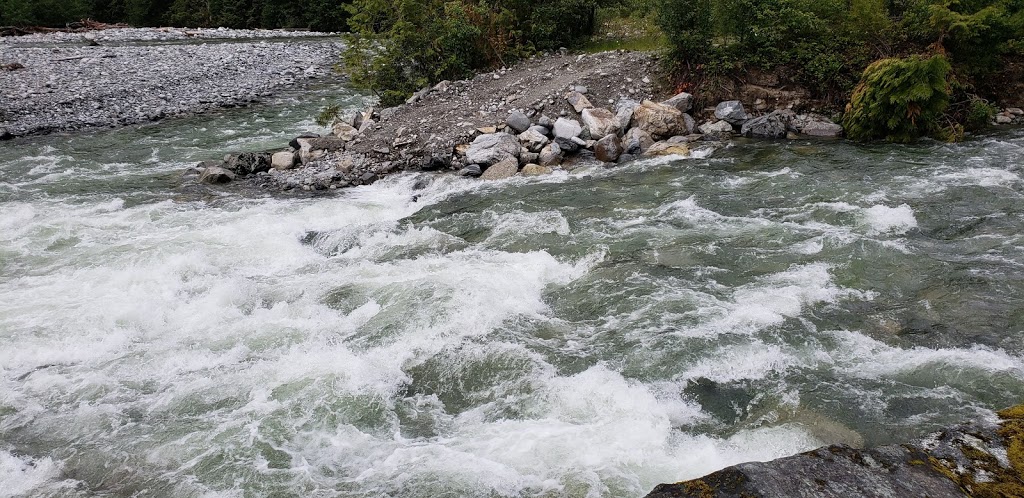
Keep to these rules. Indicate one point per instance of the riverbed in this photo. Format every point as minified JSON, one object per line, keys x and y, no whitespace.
{"x":591,"y":333}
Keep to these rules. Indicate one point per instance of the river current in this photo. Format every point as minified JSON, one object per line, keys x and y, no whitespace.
{"x":584,"y":334}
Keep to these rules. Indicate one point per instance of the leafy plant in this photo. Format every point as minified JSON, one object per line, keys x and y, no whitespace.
{"x":899,"y":99}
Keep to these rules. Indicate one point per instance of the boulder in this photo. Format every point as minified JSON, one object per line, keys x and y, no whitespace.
{"x":568,"y":145}
{"x":518,"y":121}
{"x":682,"y":101}
{"x":492,"y":148}
{"x":506,"y":168}
{"x":294,"y":143}
{"x":551,"y":155}
{"x":608,"y":149}
{"x":667,"y":149}
{"x":731,"y":111}
{"x":771,"y":125}
{"x":822,"y":128}
{"x":716,"y":127}
{"x":578,"y":101}
{"x":599,"y":122}
{"x":345,"y":131}
{"x":536,"y":170}
{"x":473,"y":170}
{"x":624,"y":112}
{"x":567,"y":128}
{"x":283,"y":160}
{"x":247,"y":163}
{"x":637,"y":141}
{"x":533,"y":140}
{"x":216,"y":174}
{"x":689,"y":124}
{"x":529,"y":157}
{"x":543,"y":130}
{"x":659,"y":120}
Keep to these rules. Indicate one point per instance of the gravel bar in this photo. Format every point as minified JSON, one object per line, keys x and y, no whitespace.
{"x":65,"y":87}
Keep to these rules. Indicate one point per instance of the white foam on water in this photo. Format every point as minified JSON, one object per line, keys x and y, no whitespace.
{"x":20,"y":477}
{"x":892,"y":220}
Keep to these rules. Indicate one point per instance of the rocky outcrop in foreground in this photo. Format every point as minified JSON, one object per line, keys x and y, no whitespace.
{"x":976,"y":460}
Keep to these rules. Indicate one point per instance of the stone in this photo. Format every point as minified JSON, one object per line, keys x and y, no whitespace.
{"x":506,"y":168}
{"x":536,"y":170}
{"x":1003,"y":119}
{"x":568,"y":145}
{"x":473,"y":170}
{"x":822,"y":128}
{"x":518,"y":121}
{"x":551,"y":155}
{"x":216,"y":174}
{"x":567,"y":128}
{"x":529,"y":157}
{"x":294,"y":143}
{"x":545,"y":122}
{"x":599,"y":122}
{"x":624,"y":112}
{"x":682,"y":101}
{"x":731,"y":111}
{"x":636,"y":141}
{"x":716,"y":127}
{"x":492,"y":148}
{"x":345,"y":131}
{"x":247,"y":163}
{"x":543,"y":130}
{"x":667,"y":149}
{"x":608,"y":149}
{"x":689,"y":124}
{"x":442,"y":87}
{"x":578,"y":101}
{"x":625,"y":158}
{"x":533,"y":140}
{"x":771,"y":125}
{"x":283,"y":160}
{"x":1016,"y":111}
{"x":659,"y":120}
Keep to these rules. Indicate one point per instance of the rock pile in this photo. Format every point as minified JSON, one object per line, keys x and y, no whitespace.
{"x":1009,"y":116}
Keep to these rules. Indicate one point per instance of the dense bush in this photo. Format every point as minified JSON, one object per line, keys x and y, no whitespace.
{"x":399,"y":46}
{"x":899,"y":99}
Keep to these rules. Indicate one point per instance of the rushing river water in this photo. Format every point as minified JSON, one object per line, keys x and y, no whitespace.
{"x":585,"y":334}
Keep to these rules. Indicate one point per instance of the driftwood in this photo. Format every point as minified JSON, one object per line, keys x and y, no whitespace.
{"x":75,"y":27}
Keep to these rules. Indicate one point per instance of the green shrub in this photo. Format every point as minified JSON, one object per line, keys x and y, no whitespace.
{"x":899,"y":99}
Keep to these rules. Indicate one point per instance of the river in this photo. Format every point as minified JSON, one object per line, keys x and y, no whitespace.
{"x":583,"y":334}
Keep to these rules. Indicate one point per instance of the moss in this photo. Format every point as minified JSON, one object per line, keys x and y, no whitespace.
{"x":1000,"y":481}
{"x":699,"y":488}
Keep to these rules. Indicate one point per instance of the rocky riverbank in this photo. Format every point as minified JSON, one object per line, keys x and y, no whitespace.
{"x":977,"y":460}
{"x":548,"y":113}
{"x":68,"y":81}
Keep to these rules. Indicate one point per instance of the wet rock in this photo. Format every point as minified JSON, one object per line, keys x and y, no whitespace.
{"x":682,"y":101}
{"x":247,"y":163}
{"x":283,"y":160}
{"x":731,"y":111}
{"x":578,"y":101}
{"x":216,"y":174}
{"x":636,"y":141}
{"x":505,"y":168}
{"x":716,"y":127}
{"x":473,"y":170}
{"x":492,"y":148}
{"x":518,"y":121}
{"x":825,"y":129}
{"x":567,"y":128}
{"x":981,"y":459}
{"x":551,"y":155}
{"x":599,"y":122}
{"x":667,"y":149}
{"x":608,"y":149}
{"x":568,"y":145}
{"x":771,"y":125}
{"x":624,"y":113}
{"x":659,"y":120}
{"x":536,"y":170}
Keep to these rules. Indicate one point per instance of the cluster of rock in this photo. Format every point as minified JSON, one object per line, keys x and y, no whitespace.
{"x":64,"y":88}
{"x":526,"y":143}
{"x":1009,"y":116}
{"x":167,"y":34}
{"x":979,"y":460}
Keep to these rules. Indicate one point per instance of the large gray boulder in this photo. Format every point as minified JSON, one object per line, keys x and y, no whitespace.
{"x":716,"y":127}
{"x":506,"y":168}
{"x":659,"y":120}
{"x":551,"y":155}
{"x":816,"y":126}
{"x":283,"y":160}
{"x":682,"y":101}
{"x":771,"y":125}
{"x":608,"y":149}
{"x":624,"y":112}
{"x":578,"y":101}
{"x":216,"y":174}
{"x":636,"y":141}
{"x":599,"y":122}
{"x":731,"y":111}
{"x":492,"y":148}
{"x":567,"y":128}
{"x":533,"y":141}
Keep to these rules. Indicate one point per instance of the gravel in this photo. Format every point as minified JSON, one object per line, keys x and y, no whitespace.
{"x":67,"y":87}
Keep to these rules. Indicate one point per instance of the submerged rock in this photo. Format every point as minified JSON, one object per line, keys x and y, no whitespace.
{"x":979,"y":460}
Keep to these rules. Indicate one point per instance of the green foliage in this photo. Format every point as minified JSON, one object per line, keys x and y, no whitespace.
{"x":400,"y":46}
{"x":328,"y":115}
{"x":42,"y":12}
{"x":899,"y":99}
